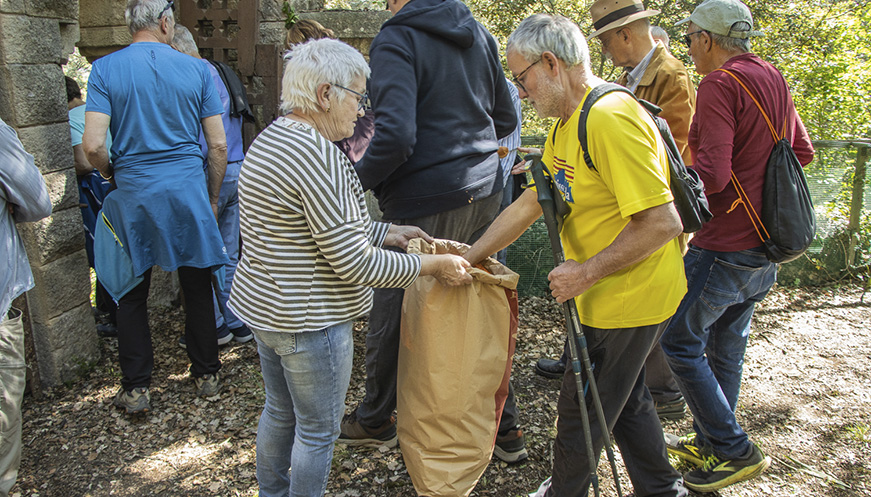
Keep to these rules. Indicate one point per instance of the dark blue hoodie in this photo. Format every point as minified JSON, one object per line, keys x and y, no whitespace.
{"x":441,"y":102}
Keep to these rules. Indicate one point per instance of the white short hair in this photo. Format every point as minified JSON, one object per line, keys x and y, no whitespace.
{"x":313,"y":63}
{"x":142,"y":15}
{"x":183,"y":41}
{"x":541,"y":33}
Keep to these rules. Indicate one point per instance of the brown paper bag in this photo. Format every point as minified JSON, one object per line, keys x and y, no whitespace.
{"x":455,"y":356}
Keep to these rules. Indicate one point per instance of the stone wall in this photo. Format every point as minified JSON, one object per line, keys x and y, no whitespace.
{"x":36,"y":36}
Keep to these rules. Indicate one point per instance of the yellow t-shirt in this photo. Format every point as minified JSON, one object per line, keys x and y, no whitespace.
{"x":631,"y":175}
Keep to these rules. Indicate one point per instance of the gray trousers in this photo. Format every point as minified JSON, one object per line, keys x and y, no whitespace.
{"x":12,"y":379}
{"x":465,"y":224}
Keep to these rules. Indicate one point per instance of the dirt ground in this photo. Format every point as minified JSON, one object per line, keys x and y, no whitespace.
{"x":806,"y":400}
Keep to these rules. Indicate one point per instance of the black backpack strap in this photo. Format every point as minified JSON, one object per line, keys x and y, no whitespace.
{"x":594,"y":96}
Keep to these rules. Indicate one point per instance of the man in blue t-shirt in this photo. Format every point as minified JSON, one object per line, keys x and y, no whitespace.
{"x":229,"y":326}
{"x":154,"y":100}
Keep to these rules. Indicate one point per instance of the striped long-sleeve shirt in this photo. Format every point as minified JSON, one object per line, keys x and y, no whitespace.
{"x":310,"y":250}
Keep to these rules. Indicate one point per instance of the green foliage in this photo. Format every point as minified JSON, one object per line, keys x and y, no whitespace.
{"x":78,"y":68}
{"x":290,"y":17}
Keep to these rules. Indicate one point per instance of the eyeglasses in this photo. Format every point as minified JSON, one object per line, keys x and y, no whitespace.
{"x":687,"y":38}
{"x":362,"y":102}
{"x":519,"y":76}
{"x":169,"y":5}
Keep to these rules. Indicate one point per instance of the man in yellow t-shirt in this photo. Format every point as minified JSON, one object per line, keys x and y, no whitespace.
{"x":623,"y":267}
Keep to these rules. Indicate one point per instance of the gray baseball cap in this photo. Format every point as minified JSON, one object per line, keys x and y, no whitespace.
{"x":718,"y":17}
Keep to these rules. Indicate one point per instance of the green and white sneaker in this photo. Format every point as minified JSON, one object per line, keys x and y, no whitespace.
{"x":718,"y":473}
{"x":685,"y":448}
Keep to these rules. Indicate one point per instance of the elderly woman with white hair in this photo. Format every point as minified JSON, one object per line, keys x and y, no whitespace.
{"x":310,"y":255}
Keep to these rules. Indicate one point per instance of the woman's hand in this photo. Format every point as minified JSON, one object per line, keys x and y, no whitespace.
{"x":449,"y":269}
{"x":399,"y":236}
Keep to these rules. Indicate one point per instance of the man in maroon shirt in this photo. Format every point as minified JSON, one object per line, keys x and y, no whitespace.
{"x":726,"y":268}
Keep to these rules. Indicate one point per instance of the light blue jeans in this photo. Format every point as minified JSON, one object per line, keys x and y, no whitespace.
{"x":707,"y":337}
{"x":306,"y":377}
{"x":228,"y":224}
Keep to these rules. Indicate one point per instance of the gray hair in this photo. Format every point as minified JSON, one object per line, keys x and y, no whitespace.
{"x":729,"y":44}
{"x":144,"y":15}
{"x":316,"y":62}
{"x":659,"y":34}
{"x":183,"y":41}
{"x":541,"y":33}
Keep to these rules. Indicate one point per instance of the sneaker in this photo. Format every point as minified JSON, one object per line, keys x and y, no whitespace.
{"x":354,"y":433}
{"x":511,"y":447}
{"x":224,"y":337}
{"x":134,"y":401}
{"x":719,"y":473}
{"x":685,"y":448}
{"x":242,"y":334}
{"x":550,"y":368}
{"x":671,"y":410}
{"x":208,"y":385}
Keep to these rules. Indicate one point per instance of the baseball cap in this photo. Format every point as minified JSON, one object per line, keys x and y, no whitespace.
{"x":718,"y":17}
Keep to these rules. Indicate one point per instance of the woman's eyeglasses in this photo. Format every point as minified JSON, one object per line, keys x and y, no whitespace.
{"x":362,"y":101}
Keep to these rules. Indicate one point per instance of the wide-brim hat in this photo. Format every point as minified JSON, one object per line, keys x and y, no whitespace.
{"x":613,"y":14}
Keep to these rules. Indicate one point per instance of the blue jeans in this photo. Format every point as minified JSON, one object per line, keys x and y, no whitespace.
{"x":228,"y":224}
{"x":707,"y":337}
{"x":306,"y":376}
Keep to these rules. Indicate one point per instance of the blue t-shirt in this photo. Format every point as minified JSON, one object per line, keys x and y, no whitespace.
{"x":161,"y":122}
{"x":77,"y":127}
{"x":160,"y":212}
{"x":232,"y":125}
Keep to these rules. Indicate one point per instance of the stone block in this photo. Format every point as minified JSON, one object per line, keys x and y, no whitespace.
{"x":69,"y":36}
{"x":56,"y":236}
{"x":61,"y":285}
{"x":12,"y":6}
{"x":164,"y":291}
{"x":66,"y":344}
{"x":58,"y":9}
{"x":93,"y":13}
{"x":272,"y":33}
{"x":35,"y":94}
{"x":29,"y":40}
{"x":63,"y":190}
{"x":94,"y":42}
{"x":349,"y":24}
{"x":50,"y":146}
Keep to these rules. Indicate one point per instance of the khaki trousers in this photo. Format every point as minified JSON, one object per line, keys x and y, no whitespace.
{"x":12,"y":379}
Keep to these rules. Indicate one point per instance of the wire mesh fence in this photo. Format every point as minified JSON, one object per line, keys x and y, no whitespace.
{"x":831,"y":179}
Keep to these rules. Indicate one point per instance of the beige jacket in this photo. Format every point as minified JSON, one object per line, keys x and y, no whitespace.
{"x":667,"y":84}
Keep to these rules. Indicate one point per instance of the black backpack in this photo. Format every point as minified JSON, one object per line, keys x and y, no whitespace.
{"x":686,"y":186}
{"x":787,"y":223}
{"x":239,"y":106}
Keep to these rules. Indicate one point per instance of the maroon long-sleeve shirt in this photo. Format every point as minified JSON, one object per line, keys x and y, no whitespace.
{"x":729,"y":133}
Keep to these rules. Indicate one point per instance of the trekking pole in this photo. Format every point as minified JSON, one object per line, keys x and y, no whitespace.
{"x":577,"y":340}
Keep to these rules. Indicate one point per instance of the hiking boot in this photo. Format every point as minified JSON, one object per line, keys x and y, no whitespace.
{"x":107,"y":330}
{"x":354,"y":433}
{"x":671,"y":410}
{"x":224,"y":337}
{"x":242,"y":334}
{"x":550,"y":368}
{"x":511,"y":447}
{"x":207,"y":385}
{"x":685,"y":448}
{"x":719,"y":473}
{"x":134,"y":401}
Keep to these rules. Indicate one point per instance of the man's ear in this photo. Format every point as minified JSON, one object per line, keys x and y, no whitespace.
{"x":550,"y":62}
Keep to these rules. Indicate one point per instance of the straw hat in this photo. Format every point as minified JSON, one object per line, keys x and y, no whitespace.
{"x":613,"y":14}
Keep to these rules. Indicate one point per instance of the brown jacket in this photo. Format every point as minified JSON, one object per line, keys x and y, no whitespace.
{"x":667,"y":84}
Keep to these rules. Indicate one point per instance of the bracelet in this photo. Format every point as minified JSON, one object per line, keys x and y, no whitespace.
{"x":111,"y":173}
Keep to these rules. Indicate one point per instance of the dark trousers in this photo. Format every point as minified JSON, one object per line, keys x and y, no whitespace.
{"x":466,"y":225}
{"x":135,"y":352}
{"x":105,"y":304}
{"x":618,"y":362}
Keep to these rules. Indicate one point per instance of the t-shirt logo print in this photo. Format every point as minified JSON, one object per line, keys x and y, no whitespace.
{"x":564,"y":178}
